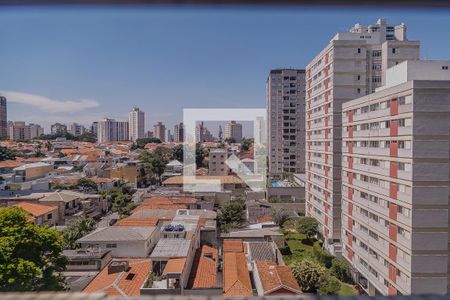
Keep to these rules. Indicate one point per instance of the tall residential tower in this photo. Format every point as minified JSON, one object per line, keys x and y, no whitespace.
{"x":286,"y":121}
{"x":352,"y":65}
{"x":136,"y":124}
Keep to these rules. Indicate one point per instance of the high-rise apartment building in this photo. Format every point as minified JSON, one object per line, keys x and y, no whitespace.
{"x":3,"y":118}
{"x":76,"y":129}
{"x":19,"y":131}
{"x":396,"y":181}
{"x":136,"y":123}
{"x":58,"y":128}
{"x":94,"y":128}
{"x":160,"y":131}
{"x":352,"y":65}
{"x":202,"y":134}
{"x":110,"y":130}
{"x":178,"y":133}
{"x":233,"y":130}
{"x":286,"y":121}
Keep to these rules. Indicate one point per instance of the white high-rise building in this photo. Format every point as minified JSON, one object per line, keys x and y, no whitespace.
{"x":286,"y":121}
{"x":136,"y":123}
{"x":233,"y":130}
{"x":396,"y":182}
{"x":110,"y":130}
{"x":352,"y":65}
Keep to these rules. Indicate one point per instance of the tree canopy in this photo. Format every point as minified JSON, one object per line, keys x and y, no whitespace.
{"x":231,"y":214}
{"x":308,"y":226}
{"x":30,"y":255}
{"x":7,"y":153}
{"x":140,"y":143}
{"x":76,"y":230}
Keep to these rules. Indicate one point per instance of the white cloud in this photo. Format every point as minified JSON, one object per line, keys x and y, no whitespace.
{"x":50,"y":105}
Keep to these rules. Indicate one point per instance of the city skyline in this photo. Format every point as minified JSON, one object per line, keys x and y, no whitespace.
{"x":137,"y":62}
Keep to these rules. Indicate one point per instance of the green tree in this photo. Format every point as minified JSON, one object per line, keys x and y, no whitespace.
{"x":86,"y":184}
{"x":61,"y":155}
{"x":123,"y":204}
{"x":231,"y":214}
{"x":7,"y":153}
{"x":308,"y":226}
{"x":341,"y":270}
{"x":321,"y":255}
{"x":308,"y":274}
{"x":230,"y":141}
{"x":200,"y":155}
{"x":280,"y":216}
{"x":154,"y":164}
{"x":329,"y":285}
{"x":76,"y":230}
{"x":178,"y":153}
{"x":86,"y":137}
{"x":140,"y":143}
{"x":30,"y":255}
{"x":246,"y":144}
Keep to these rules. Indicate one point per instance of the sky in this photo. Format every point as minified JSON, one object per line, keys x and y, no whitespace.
{"x":72,"y":64}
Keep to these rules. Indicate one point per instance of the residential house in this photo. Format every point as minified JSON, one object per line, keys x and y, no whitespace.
{"x":41,"y":214}
{"x":121,"y":278}
{"x":31,"y":171}
{"x":274,"y":280}
{"x":123,"y":241}
{"x":131,"y":171}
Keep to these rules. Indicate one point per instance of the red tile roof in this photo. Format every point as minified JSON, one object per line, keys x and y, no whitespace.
{"x":204,"y":269}
{"x":276,"y":278}
{"x":138,"y":222}
{"x":266,"y":218}
{"x":175,"y":265}
{"x":10,"y":164}
{"x":233,"y":246}
{"x":236,"y":279}
{"x":36,"y":210}
{"x":169,"y":200}
{"x":120,"y":283}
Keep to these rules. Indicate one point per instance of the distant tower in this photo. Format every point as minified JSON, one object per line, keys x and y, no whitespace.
{"x":136,"y":121}
{"x":220,"y":133}
{"x":3,"y":118}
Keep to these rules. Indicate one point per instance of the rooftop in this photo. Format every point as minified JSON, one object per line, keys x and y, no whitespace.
{"x":233,"y":246}
{"x":124,"y":284}
{"x":171,"y":248}
{"x":204,"y":268}
{"x":118,"y":234}
{"x":138,"y":222}
{"x":35,"y":209}
{"x":261,"y":251}
{"x":274,"y":277}
{"x":177,"y":180}
{"x":175,"y":266}
{"x":236,"y":279}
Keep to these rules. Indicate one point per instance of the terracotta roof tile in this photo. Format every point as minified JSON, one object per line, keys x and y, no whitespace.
{"x":117,"y":284}
{"x":137,"y":222}
{"x":274,"y":277}
{"x":265,"y":218}
{"x":10,"y":164}
{"x":233,"y":246}
{"x":175,"y":265}
{"x":169,"y":200}
{"x":204,"y":269}
{"x":236,"y":279}
{"x":36,"y":210}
